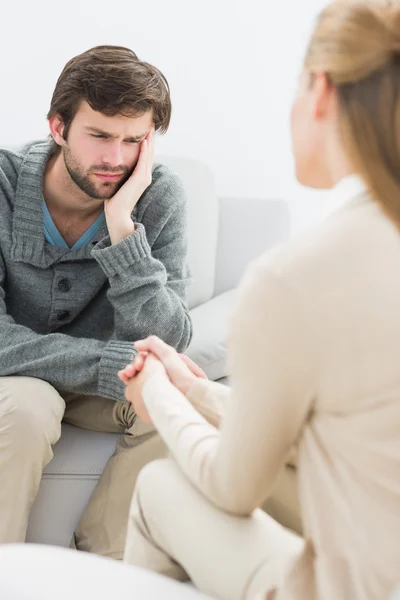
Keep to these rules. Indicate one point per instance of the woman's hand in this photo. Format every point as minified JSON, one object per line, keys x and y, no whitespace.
{"x":181,"y":370}
{"x":134,"y":387}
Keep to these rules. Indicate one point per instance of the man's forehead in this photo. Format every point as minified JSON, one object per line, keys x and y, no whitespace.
{"x":114,"y":125}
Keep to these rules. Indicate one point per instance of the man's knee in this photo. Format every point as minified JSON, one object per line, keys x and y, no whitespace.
{"x":30,"y":410}
{"x":126,"y":417}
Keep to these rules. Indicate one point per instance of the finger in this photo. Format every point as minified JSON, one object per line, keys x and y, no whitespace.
{"x":123,"y":377}
{"x":156,"y":346}
{"x":152,"y":145}
{"x":196,"y":370}
{"x":139,"y":170}
{"x":129,"y":371}
{"x":150,"y":134}
{"x":150,"y":153}
{"x":141,"y":164}
{"x":139,"y":362}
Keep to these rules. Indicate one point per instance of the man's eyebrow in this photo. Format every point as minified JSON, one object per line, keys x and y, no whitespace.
{"x":137,"y":138}
{"x":100,"y":131}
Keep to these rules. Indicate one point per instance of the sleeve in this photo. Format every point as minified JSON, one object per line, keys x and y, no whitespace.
{"x":79,"y":365}
{"x":272,"y":374}
{"x":211,"y":399}
{"x":149,"y":280}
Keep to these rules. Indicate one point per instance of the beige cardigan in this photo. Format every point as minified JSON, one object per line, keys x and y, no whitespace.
{"x":314,"y":354}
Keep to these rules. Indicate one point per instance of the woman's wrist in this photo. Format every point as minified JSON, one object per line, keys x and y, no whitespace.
{"x":186,"y":383}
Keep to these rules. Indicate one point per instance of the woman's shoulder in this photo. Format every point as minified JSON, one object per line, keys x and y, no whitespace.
{"x":358,"y":232}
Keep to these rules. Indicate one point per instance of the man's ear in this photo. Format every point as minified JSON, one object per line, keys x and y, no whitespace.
{"x":57,"y":127}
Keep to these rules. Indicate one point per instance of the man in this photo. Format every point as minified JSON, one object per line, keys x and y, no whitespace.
{"x":92,"y":257}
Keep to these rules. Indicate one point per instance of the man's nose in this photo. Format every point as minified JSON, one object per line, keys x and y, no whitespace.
{"x":112,"y":154}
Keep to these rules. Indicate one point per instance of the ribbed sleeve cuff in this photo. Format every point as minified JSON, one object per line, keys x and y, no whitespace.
{"x":119,"y":257}
{"x":116,"y":356}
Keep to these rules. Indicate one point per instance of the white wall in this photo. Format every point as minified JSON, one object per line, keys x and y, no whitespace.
{"x":232,"y":67}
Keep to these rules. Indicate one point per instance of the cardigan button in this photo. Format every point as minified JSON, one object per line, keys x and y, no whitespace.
{"x":63,"y":315}
{"x":64,"y":285}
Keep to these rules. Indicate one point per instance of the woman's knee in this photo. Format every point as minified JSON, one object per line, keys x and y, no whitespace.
{"x":159,"y":479}
{"x":158,"y":473}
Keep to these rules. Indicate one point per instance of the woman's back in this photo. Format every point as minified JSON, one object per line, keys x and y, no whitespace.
{"x":347,"y":276}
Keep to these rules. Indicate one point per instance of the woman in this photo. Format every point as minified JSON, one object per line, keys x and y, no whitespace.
{"x":314,"y":360}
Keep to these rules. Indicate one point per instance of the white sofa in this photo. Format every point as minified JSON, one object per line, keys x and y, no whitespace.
{"x":224,"y":235}
{"x":33,"y":572}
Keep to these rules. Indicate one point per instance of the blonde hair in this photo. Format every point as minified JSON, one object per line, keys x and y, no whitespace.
{"x":356,"y":43}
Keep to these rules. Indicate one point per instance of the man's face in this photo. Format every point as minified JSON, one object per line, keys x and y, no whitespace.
{"x":101,"y":152}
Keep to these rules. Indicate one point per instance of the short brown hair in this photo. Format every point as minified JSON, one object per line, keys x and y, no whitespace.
{"x":112,"y":80}
{"x":356,"y":43}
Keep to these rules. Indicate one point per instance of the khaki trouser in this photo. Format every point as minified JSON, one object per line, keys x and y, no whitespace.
{"x":176,"y":531}
{"x":31,"y":412}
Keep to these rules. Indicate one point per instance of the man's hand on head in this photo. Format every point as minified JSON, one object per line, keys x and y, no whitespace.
{"x":118,"y":209}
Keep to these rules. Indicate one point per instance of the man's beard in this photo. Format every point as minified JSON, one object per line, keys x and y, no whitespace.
{"x":104,"y":190}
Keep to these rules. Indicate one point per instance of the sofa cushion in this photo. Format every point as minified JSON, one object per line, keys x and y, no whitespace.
{"x":210,"y":329}
{"x":203,"y":211}
{"x":81,"y":452}
{"x":67,"y":483}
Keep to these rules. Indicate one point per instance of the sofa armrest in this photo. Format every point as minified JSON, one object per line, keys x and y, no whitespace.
{"x":210,"y":331}
{"x":247,"y":228}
